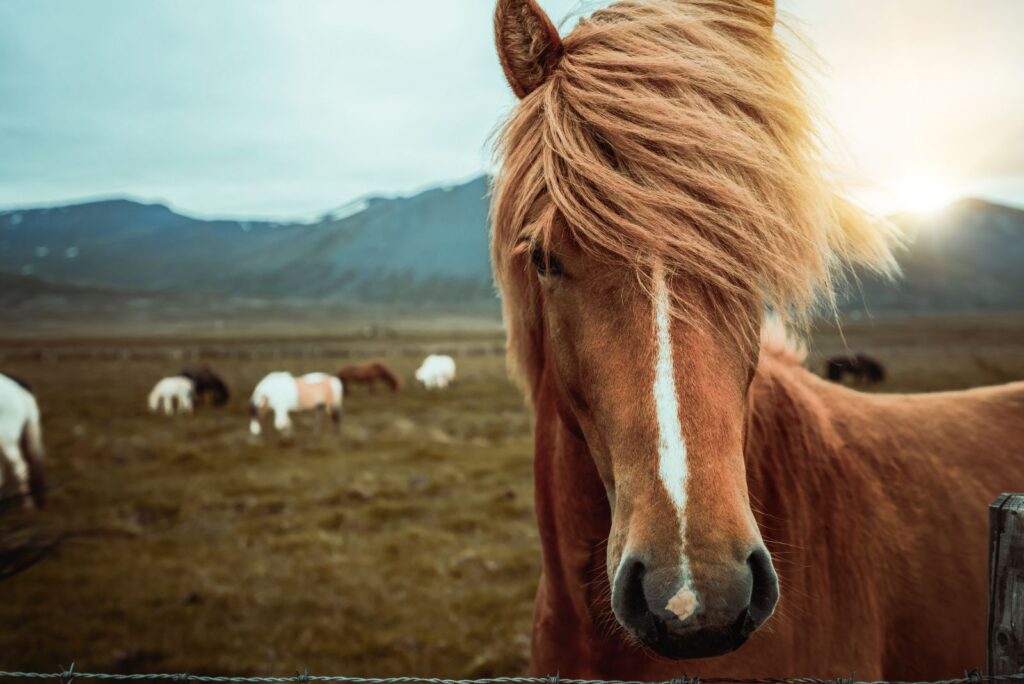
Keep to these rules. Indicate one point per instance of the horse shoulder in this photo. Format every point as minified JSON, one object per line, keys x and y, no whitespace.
{"x":14,"y":410}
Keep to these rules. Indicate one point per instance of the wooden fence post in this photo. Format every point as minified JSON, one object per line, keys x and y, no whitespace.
{"x":1006,"y":585}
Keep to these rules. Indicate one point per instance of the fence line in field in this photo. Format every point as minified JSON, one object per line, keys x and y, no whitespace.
{"x":69,"y":675}
{"x":239,"y":351}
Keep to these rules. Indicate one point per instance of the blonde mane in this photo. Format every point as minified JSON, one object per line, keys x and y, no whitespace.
{"x":677,"y":131}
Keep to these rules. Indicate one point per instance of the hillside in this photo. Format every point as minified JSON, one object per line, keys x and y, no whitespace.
{"x":430,"y":251}
{"x":967,"y":258}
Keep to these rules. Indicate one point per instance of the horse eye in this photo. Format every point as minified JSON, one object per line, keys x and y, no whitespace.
{"x":546,"y":264}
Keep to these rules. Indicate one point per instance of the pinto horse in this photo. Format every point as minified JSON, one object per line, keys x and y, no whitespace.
{"x":700,"y":495}
{"x":282,"y":394}
{"x":21,"y":440}
{"x":368,"y":374}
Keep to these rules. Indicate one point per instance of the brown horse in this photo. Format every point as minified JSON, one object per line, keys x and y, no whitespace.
{"x":697,"y":490}
{"x":861,"y":366}
{"x":207,"y":385}
{"x":368,"y":374}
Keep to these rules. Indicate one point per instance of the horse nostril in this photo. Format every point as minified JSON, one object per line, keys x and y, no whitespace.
{"x":765,"y":589}
{"x":629,"y":601}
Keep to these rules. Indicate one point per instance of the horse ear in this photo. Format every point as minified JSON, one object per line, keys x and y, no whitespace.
{"x":529,"y":46}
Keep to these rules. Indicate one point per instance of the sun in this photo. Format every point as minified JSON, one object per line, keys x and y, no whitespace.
{"x":922,"y":192}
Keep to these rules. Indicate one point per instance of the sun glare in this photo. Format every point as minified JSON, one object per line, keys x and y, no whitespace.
{"x":922,"y":192}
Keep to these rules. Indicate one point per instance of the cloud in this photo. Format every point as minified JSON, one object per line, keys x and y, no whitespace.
{"x":279,"y":107}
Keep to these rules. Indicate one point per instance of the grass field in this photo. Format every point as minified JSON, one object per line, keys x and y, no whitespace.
{"x":405,"y":544}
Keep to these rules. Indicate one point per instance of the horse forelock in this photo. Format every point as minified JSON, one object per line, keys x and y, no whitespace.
{"x":677,"y":132}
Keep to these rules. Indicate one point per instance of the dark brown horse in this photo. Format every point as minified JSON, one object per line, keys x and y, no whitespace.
{"x":862,"y":367}
{"x":368,"y":374}
{"x":697,"y":490}
{"x":208,"y":385}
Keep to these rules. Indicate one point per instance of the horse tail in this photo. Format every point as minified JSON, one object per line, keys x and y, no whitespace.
{"x":390,"y":378}
{"x":34,"y":453}
{"x":338,"y":390}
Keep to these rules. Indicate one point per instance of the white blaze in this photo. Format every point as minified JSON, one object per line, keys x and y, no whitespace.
{"x":672,"y":467}
{"x":671,"y":446}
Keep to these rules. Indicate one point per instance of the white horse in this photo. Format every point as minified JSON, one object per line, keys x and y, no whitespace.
{"x":282,"y":393}
{"x":21,"y":440}
{"x":173,"y":394}
{"x":436,"y":372}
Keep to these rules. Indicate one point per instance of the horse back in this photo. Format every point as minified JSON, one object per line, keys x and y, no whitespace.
{"x":24,"y":384}
{"x":318,"y":390}
{"x":926,"y":468}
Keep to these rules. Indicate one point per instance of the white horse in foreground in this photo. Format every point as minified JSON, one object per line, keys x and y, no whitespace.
{"x":282,"y":393}
{"x":436,"y":372}
{"x":21,"y":440}
{"x":172,"y":395}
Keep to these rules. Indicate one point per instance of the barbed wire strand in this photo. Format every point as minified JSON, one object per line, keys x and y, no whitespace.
{"x":69,"y":675}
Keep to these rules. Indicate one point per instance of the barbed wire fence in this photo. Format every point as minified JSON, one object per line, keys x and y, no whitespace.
{"x":70,"y":675}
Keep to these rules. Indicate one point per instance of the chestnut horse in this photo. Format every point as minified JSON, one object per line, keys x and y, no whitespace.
{"x":368,"y":374}
{"x":697,"y":490}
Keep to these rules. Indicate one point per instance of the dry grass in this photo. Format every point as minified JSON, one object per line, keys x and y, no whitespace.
{"x":404,"y":545}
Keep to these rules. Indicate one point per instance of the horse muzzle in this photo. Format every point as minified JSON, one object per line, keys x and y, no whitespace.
{"x":675,"y":619}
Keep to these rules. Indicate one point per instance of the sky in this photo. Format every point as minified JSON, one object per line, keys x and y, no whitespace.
{"x":282,"y":108}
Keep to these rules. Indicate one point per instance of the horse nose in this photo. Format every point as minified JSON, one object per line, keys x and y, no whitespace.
{"x":629,"y":600}
{"x":672,"y":618}
{"x":649,"y":600}
{"x":764,"y":594}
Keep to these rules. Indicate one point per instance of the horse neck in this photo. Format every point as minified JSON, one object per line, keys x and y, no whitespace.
{"x":805,"y":471}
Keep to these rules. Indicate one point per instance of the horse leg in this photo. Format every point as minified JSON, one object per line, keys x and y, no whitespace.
{"x":282,"y":421}
{"x":255,"y":420}
{"x":19,"y":469}
{"x":185,"y":401}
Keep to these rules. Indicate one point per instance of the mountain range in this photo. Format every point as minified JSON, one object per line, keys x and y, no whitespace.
{"x":430,"y":250}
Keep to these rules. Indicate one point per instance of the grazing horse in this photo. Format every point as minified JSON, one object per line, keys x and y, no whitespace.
{"x":697,"y":490}
{"x":368,"y":374}
{"x":172,"y":395}
{"x":21,"y":440}
{"x":207,"y":385}
{"x":436,"y":372}
{"x":282,"y":394}
{"x":861,"y":366}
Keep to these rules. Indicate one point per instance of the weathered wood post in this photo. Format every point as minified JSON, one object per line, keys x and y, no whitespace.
{"x":1006,"y":585}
